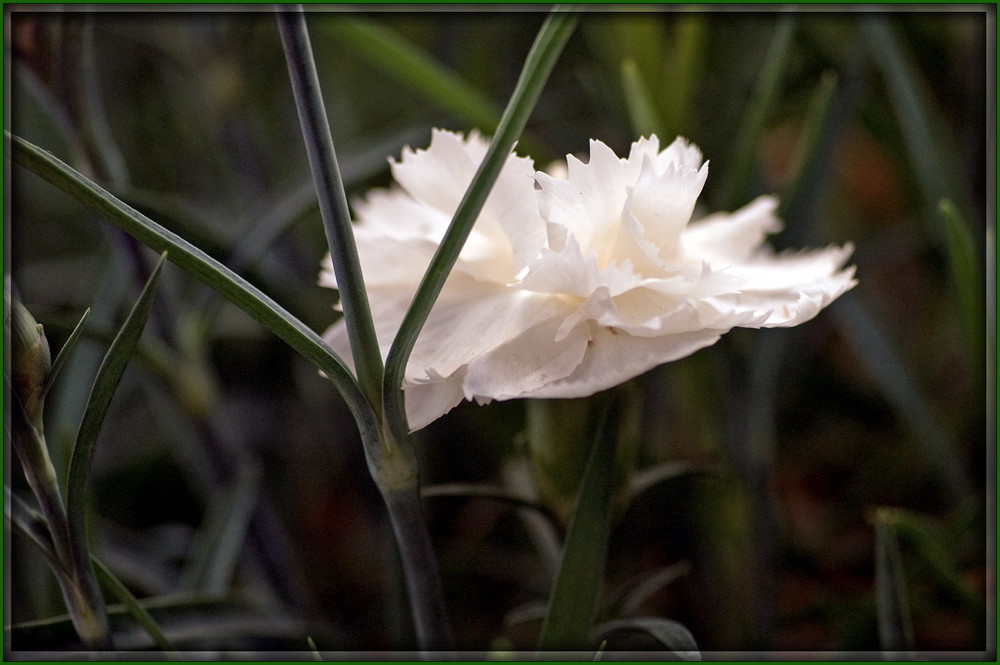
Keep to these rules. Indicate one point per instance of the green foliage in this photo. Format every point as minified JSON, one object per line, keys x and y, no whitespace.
{"x":755,"y":517}
{"x":576,"y":595}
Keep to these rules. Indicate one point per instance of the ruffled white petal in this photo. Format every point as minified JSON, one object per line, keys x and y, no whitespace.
{"x":723,"y":238}
{"x":614,"y":357}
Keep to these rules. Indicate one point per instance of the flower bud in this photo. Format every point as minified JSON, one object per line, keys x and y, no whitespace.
{"x":30,"y":360}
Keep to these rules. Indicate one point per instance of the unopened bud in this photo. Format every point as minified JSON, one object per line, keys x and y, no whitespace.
{"x":30,"y":360}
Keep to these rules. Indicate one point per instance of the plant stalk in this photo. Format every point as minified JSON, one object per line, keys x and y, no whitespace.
{"x":332,"y":201}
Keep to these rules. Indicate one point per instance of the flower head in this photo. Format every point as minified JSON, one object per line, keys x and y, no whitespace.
{"x":572,"y":282}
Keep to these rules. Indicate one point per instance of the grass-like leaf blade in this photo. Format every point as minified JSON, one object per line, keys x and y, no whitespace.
{"x":642,"y":112}
{"x":670,"y":634}
{"x":895,"y":627}
{"x":882,"y":360}
{"x":576,"y":595}
{"x":413,"y":68}
{"x":66,"y":350}
{"x":965,"y":276}
{"x":31,"y":523}
{"x":106,"y":383}
{"x":762,"y":99}
{"x":934,"y":161}
{"x":132,"y":605}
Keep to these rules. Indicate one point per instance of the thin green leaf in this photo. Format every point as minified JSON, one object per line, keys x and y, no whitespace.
{"x":185,"y":619}
{"x":109,"y":375}
{"x":764,"y":95}
{"x":933,"y":158}
{"x":926,"y":540}
{"x":551,"y":39}
{"x":895,"y":627}
{"x":414,"y":68}
{"x":879,"y":356}
{"x":965,"y":277}
{"x":647,"y":478}
{"x":632,"y":597}
{"x":138,"y":612}
{"x":32,"y":524}
{"x":332,"y":202}
{"x":470,"y":491}
{"x":642,"y":112}
{"x":684,"y":72}
{"x":670,"y":634}
{"x":222,"y":539}
{"x":65,"y":351}
{"x":233,"y":287}
{"x":105,"y":384}
{"x":809,"y":146}
{"x":576,"y":594}
{"x":96,"y":128}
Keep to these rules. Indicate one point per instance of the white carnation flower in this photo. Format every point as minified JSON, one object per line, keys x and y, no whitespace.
{"x":575,"y":282}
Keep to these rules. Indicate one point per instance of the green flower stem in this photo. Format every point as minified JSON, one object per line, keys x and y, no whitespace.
{"x":83,"y":601}
{"x":423,"y":580}
{"x":541,"y":59}
{"x":332,"y":201}
{"x":391,"y":459}
{"x":33,"y":454}
{"x":230,"y":285}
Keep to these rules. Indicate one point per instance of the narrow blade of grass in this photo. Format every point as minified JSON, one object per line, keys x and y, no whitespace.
{"x":765,"y":93}
{"x":222,"y":538}
{"x":32,"y":524}
{"x":642,"y":112}
{"x":138,"y":612}
{"x":934,"y":161}
{"x":895,"y":627}
{"x":809,"y":151}
{"x":965,"y":277}
{"x":684,"y":71}
{"x":631,"y":598}
{"x":313,"y":650}
{"x":576,"y":595}
{"x":109,"y":375}
{"x":499,"y":494}
{"x":880,"y":358}
{"x":66,"y":350}
{"x":671,"y":634}
{"x":414,"y":68}
{"x":551,"y":39}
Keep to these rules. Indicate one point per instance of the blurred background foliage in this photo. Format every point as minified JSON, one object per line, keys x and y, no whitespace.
{"x":229,"y":485}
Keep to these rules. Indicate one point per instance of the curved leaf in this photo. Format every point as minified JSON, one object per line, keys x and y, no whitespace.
{"x":670,"y":634}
